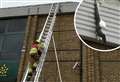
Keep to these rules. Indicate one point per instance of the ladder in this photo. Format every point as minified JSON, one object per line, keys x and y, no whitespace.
{"x":45,"y":37}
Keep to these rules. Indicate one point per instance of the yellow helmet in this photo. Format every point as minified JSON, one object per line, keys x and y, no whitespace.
{"x":37,"y":41}
{"x":33,"y":50}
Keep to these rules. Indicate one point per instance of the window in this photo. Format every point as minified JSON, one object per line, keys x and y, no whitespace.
{"x":2,"y":26}
{"x":12,"y":43}
{"x":11,"y":37}
{"x":16,"y":25}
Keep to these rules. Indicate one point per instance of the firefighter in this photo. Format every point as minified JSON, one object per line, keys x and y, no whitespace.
{"x":36,"y":49}
{"x":30,"y":72}
{"x":35,"y":53}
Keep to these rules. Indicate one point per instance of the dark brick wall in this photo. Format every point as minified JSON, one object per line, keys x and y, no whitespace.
{"x":101,"y":66}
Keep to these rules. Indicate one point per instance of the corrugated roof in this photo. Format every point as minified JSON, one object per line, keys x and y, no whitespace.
{"x":66,"y":7}
{"x":85,"y":22}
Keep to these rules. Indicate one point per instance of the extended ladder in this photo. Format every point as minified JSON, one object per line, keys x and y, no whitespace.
{"x":45,"y":36}
{"x":47,"y":33}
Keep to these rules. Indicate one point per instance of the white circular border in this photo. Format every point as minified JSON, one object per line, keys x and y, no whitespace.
{"x":108,"y":50}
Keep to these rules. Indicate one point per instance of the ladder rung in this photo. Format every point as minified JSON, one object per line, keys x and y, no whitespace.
{"x":42,"y":40}
{"x":46,"y":30}
{"x":47,"y":27}
{"x":51,"y":14}
{"x":49,"y":23}
{"x":54,"y":6}
{"x":43,"y":37}
{"x":53,"y":10}
{"x":49,"y":20}
{"x":45,"y":33}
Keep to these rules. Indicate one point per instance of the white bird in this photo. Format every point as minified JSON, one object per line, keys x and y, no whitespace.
{"x":102,"y":23}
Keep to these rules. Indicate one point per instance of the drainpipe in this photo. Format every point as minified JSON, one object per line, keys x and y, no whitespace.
{"x":81,"y":61}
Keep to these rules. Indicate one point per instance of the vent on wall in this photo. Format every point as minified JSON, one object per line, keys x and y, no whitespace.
{"x":85,"y":21}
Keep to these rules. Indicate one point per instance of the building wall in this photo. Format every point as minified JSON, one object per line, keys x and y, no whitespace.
{"x":100,"y":66}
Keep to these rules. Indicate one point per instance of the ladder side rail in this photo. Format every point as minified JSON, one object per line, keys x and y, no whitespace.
{"x":25,"y":74}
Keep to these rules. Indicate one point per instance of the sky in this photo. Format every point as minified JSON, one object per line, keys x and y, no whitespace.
{"x":16,"y":3}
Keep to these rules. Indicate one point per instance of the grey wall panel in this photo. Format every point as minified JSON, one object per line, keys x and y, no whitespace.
{"x":69,"y":7}
{"x":44,"y":9}
{"x":38,"y":9}
{"x":13,"y":12}
{"x":85,"y":22}
{"x":33,"y":10}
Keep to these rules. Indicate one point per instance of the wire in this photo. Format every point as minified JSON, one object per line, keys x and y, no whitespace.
{"x":57,"y":59}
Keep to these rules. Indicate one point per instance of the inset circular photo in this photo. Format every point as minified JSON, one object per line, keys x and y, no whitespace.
{"x":97,"y":24}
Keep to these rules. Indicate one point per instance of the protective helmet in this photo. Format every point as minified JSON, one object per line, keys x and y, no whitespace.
{"x":37,"y":41}
{"x":33,"y":51}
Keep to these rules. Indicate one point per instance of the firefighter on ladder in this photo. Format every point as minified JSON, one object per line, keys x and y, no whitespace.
{"x":35,"y":53}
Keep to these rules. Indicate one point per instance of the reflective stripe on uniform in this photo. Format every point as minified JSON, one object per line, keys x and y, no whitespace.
{"x":40,"y":46}
{"x":30,"y":70}
{"x":35,"y":65}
